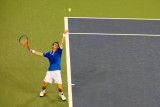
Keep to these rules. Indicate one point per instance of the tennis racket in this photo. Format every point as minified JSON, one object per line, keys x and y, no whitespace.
{"x":23,"y":40}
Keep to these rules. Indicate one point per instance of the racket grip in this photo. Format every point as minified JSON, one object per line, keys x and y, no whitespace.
{"x":29,"y":49}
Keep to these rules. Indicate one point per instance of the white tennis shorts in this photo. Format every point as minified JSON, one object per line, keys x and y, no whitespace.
{"x":53,"y":75}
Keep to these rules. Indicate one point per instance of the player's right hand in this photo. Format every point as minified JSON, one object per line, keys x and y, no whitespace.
{"x":30,"y":50}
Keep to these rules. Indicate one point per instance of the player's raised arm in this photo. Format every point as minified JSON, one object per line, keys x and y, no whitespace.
{"x":63,"y":38}
{"x":36,"y":52}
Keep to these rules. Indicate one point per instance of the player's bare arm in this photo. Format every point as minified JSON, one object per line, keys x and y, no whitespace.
{"x":36,"y":52}
{"x":63,"y":38}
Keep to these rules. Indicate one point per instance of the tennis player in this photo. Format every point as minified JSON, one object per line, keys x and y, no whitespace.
{"x":54,"y":70}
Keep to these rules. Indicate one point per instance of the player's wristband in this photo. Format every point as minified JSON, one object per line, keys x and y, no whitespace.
{"x":33,"y":51}
{"x":64,"y":35}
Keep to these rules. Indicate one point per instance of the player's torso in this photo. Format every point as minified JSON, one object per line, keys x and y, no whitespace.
{"x":54,"y":57}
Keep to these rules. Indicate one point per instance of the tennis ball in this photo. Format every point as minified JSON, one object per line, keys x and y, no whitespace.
{"x":69,"y":9}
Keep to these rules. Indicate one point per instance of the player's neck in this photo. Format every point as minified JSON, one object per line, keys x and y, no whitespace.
{"x":54,"y":49}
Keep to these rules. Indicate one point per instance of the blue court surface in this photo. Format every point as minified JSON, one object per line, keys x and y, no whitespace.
{"x":113,"y":62}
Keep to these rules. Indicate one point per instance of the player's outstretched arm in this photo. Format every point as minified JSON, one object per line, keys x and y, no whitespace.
{"x":63,"y":38}
{"x":36,"y":52}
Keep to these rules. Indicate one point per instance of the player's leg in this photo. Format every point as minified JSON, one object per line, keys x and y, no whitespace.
{"x":58,"y":81}
{"x":45,"y":84}
{"x":60,"y":88}
{"x":61,"y":94}
{"x":48,"y":79}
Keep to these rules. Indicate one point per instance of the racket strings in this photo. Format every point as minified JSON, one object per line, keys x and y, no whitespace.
{"x":23,"y":39}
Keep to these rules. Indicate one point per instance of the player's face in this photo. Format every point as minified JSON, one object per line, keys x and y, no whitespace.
{"x":55,"y":46}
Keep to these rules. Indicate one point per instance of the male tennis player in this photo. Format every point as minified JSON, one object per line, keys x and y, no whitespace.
{"x":54,"y":70}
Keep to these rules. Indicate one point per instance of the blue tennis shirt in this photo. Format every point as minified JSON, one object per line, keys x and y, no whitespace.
{"x":54,"y":59}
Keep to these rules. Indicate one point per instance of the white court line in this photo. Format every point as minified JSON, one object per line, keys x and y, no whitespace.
{"x":114,"y":34}
{"x":68,"y":65}
{"x":110,"y":18}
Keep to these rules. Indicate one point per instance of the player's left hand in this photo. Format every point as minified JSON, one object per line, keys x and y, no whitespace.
{"x":66,"y":31}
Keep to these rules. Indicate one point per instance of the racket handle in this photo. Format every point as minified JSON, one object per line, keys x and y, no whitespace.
{"x":29,"y":48}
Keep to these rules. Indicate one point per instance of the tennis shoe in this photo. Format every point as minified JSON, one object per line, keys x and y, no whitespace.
{"x":62,"y":97}
{"x":42,"y":93}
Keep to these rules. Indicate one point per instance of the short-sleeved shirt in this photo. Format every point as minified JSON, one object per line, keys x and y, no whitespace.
{"x":54,"y":59}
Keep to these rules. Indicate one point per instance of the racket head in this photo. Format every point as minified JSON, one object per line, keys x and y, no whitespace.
{"x":23,"y":40}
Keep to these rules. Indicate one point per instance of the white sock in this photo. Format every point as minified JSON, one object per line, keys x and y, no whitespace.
{"x":44,"y":90}
{"x":61,"y":93}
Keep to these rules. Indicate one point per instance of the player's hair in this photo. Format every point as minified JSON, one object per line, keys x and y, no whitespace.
{"x":55,"y":42}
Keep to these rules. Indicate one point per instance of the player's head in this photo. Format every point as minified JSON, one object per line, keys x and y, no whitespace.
{"x":55,"y":45}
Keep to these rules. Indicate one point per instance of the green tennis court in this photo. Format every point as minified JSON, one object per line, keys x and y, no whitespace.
{"x":22,"y":73}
